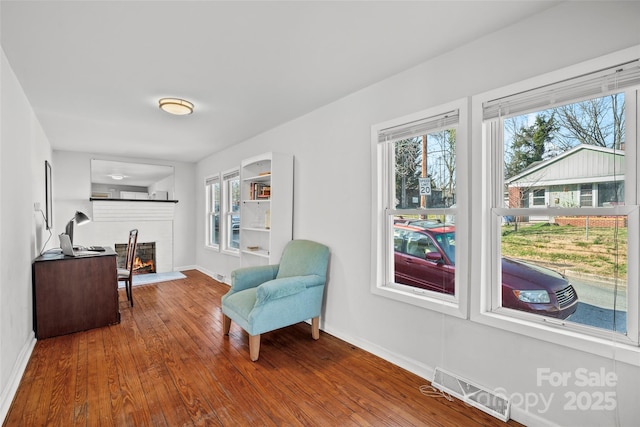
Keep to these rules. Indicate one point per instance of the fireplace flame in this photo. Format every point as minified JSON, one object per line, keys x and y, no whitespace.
{"x":147,"y":266}
{"x":144,"y":260}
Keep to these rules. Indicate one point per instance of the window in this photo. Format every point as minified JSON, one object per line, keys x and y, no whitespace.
{"x":416,"y":214}
{"x":212,"y":197}
{"x":573,"y":139}
{"x":586,"y":195}
{"x":538,"y":197}
{"x":231,"y":213}
{"x":610,"y":193}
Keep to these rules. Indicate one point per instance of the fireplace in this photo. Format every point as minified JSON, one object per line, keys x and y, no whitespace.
{"x":144,"y":261}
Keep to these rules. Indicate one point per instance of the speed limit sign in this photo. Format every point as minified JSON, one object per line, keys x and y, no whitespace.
{"x":425,"y":186}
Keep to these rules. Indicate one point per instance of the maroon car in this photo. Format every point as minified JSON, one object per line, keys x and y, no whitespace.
{"x":425,"y":258}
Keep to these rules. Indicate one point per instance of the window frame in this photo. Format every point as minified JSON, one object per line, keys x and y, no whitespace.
{"x":210,"y":212}
{"x":227,"y":211}
{"x":584,"y":192}
{"x":382,"y":248}
{"x":536,"y":199}
{"x":486,"y":240}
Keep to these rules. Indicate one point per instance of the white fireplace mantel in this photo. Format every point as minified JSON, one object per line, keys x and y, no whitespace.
{"x":112,"y":220}
{"x":117,"y":210}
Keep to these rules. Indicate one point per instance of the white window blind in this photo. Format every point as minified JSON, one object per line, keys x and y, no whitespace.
{"x":586,"y":86}
{"x":231,"y":175}
{"x":419,"y":127}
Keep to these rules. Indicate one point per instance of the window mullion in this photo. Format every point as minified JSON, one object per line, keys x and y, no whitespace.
{"x":226,"y":232}
{"x":212,"y":194}
{"x":494,"y":134}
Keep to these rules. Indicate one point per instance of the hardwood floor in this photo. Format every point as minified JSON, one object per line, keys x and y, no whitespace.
{"x":168,"y":364}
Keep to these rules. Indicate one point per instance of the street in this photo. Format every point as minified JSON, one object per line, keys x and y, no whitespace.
{"x":596,"y":304}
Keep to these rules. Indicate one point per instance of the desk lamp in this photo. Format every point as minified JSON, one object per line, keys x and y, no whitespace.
{"x":79,"y":218}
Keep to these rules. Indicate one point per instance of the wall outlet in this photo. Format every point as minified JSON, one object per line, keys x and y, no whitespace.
{"x":36,"y":206}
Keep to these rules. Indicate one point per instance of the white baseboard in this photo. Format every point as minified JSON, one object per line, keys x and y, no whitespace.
{"x":9,"y":392}
{"x":413,"y":366}
{"x":426,"y":372}
{"x":215,"y":276}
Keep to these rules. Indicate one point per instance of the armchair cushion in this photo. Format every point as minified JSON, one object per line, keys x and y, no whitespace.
{"x":286,"y":286}
{"x":265,"y":298}
{"x":303,"y":257}
{"x":250,"y":277}
{"x":239,"y":305}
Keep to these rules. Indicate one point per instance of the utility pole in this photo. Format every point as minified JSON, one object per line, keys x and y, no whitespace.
{"x":423,"y":198}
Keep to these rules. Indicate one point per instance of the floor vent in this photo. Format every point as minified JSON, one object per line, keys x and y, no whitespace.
{"x":472,"y":394}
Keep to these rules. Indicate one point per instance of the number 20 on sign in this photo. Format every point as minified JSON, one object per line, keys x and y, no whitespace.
{"x":425,"y":186}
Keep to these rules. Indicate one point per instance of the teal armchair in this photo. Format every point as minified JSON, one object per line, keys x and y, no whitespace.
{"x":270,"y":297}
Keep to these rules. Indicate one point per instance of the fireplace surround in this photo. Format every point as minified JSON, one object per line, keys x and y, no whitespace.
{"x":112,"y":221}
{"x":144,"y":261}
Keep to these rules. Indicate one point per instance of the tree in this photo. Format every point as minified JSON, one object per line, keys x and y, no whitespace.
{"x":597,"y":121}
{"x":407,"y":153}
{"x":439,"y":158}
{"x":443,"y":152}
{"x":529,"y":144}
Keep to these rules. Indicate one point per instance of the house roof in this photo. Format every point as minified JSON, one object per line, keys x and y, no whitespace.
{"x":582,"y":164}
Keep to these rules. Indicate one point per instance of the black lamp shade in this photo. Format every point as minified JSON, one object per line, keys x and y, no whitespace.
{"x":79,"y":218}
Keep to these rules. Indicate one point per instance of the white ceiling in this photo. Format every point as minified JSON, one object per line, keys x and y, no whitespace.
{"x":94,"y":70}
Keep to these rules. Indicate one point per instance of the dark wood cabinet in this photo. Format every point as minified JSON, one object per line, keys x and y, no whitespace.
{"x":72,"y":294}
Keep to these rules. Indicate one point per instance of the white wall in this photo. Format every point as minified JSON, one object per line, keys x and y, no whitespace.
{"x":332,"y":203}
{"x":333,"y":208}
{"x":72,"y":189}
{"x":23,"y":151}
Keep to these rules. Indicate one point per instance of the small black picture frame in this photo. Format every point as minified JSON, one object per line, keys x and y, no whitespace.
{"x":48,"y":213}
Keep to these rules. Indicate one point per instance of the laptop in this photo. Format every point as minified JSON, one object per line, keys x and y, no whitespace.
{"x":67,"y":247}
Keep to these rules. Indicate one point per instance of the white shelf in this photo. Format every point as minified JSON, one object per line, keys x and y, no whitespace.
{"x":258,"y":178}
{"x":259,"y":229}
{"x":259,"y":253}
{"x":264,"y":172}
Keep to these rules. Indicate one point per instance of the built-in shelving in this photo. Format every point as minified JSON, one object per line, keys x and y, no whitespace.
{"x":266,"y":211}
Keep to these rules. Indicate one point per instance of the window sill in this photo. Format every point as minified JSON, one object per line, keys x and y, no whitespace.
{"x":566,"y":334}
{"x":446,"y":305}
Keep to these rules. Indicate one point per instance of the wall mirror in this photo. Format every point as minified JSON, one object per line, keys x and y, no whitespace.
{"x":131,"y":181}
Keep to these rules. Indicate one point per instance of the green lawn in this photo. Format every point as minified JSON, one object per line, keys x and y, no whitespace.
{"x":597,"y":251}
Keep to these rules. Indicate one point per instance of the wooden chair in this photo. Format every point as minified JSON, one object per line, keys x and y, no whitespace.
{"x":126,"y":274}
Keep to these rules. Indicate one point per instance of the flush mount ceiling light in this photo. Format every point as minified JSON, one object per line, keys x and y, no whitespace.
{"x":176,"y":106}
{"x":117,"y":176}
